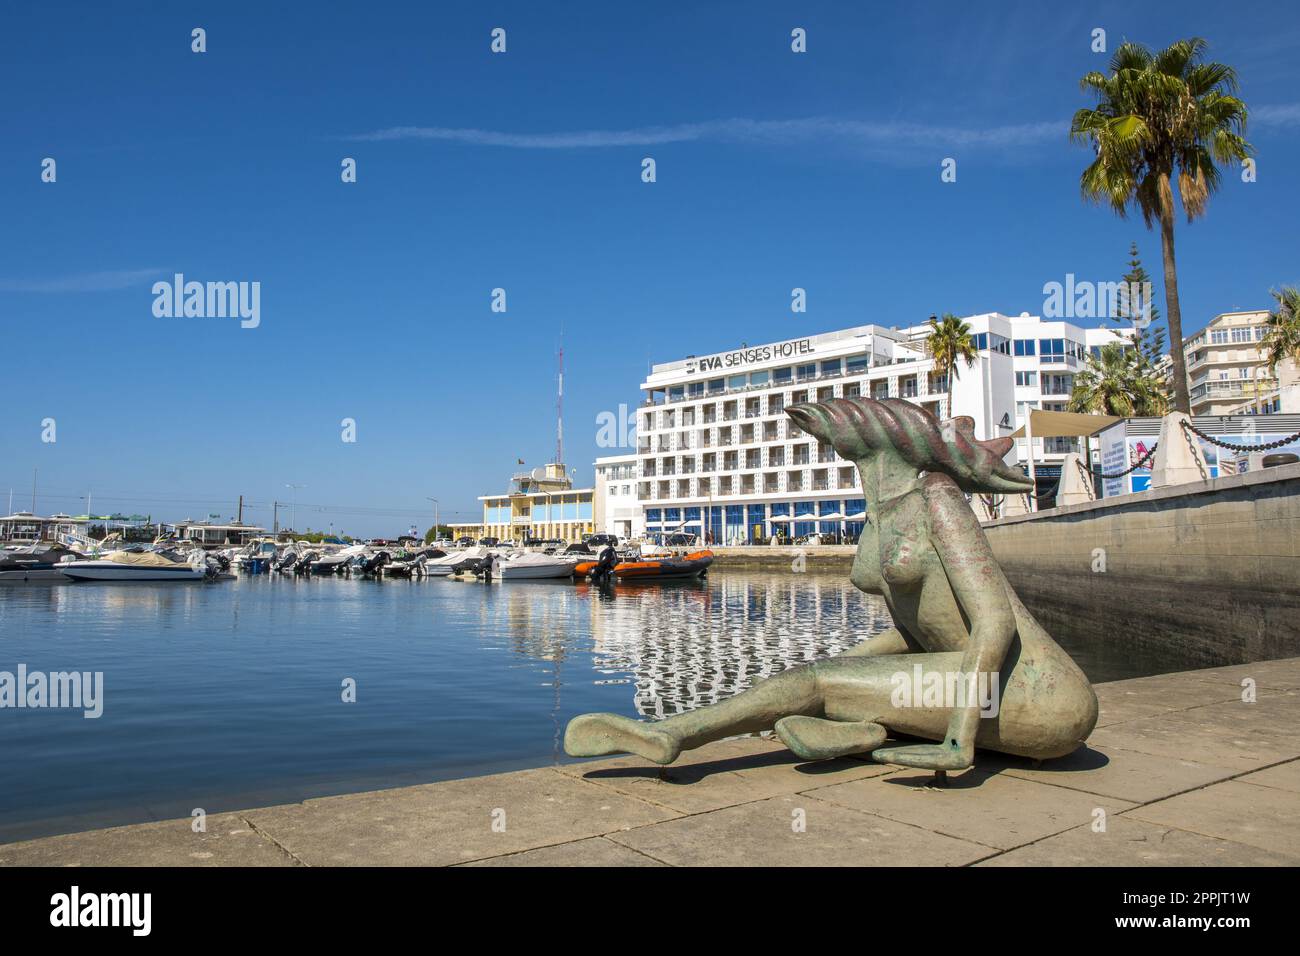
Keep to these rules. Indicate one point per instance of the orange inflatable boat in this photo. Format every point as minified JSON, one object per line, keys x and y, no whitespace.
{"x":686,"y":566}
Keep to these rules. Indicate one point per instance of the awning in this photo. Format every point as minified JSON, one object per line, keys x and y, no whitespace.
{"x":833,"y":516}
{"x":780,"y":518}
{"x":1065,"y":424}
{"x":857,"y":516}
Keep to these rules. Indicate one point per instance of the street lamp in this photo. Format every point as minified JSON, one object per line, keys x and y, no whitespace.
{"x":293,"y":515}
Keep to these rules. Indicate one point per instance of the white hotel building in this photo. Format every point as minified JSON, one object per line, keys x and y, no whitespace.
{"x":716,"y":454}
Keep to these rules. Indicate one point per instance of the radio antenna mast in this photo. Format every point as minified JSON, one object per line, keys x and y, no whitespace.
{"x":559,"y":408}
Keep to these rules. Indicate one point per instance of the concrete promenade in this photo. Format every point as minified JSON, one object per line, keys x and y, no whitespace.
{"x":1179,"y":772}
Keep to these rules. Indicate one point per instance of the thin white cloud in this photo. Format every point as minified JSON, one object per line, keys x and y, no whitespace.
{"x":1283,"y":114}
{"x":886,"y":135}
{"x":108,"y":281}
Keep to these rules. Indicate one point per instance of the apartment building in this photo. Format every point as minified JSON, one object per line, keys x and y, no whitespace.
{"x":1226,"y":370}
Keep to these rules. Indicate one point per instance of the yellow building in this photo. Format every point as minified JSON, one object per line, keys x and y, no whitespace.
{"x":541,"y":503}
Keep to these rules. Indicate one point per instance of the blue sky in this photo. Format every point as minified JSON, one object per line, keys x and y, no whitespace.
{"x":522,"y":171}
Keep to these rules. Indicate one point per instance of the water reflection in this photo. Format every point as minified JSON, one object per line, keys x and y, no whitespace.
{"x":687,"y":645}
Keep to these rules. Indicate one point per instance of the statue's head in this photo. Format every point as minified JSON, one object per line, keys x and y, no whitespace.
{"x":860,"y":429}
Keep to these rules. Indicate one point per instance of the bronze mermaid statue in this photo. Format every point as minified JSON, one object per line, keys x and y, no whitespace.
{"x":958,"y":623}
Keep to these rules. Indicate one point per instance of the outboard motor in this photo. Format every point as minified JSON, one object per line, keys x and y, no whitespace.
{"x":603,"y":573}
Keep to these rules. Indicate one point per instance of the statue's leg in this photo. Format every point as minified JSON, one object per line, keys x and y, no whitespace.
{"x":815,"y":738}
{"x":759,"y":708}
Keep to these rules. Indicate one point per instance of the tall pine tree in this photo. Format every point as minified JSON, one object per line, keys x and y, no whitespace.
{"x":1137,"y":304}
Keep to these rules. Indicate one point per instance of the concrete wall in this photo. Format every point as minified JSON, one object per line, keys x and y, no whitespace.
{"x":1199,"y":573}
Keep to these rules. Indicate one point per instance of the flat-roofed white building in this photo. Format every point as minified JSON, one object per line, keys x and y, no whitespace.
{"x":615,"y":505}
{"x":717,"y":455}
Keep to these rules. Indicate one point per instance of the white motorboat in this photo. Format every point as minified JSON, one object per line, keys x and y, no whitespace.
{"x":35,"y":562}
{"x":527,"y":565}
{"x":141,"y":566}
{"x":446,"y":565}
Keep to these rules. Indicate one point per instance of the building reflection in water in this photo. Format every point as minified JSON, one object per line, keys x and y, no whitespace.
{"x":684,"y":646}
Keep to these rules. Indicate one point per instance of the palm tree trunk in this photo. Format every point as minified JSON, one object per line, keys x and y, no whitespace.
{"x":1182,"y":401}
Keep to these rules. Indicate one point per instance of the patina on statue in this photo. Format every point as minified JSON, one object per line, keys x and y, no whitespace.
{"x":956,"y":616}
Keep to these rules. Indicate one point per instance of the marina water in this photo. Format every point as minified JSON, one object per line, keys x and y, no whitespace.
{"x":232,"y":695}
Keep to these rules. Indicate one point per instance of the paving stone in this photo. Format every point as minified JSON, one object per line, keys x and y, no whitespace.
{"x":228,"y":841}
{"x":596,"y":851}
{"x":992,"y":809}
{"x":1129,"y":842}
{"x":452,"y":822}
{"x":1263,"y":817}
{"x":1126,"y":774}
{"x":763,"y":834}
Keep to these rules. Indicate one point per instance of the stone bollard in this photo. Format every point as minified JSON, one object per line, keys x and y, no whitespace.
{"x":1075,"y":485}
{"x":1014,"y":505}
{"x":1178,"y":458}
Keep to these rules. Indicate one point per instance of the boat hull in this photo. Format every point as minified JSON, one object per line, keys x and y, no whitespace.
{"x":109,"y":571}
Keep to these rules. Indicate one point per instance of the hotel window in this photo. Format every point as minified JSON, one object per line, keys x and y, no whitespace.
{"x":1219,"y":337}
{"x":688,"y":465}
{"x":831,"y":367}
{"x":754,"y":458}
{"x":729,"y":411}
{"x":1052,"y":351}
{"x":1241,"y":335}
{"x":710,"y":462}
{"x":794,"y":481}
{"x":783,"y":376}
{"x":676,"y":393}
{"x":826,"y":393}
{"x":1024,"y":346}
{"x":857,"y":364}
{"x":800,"y":455}
{"x":759,"y":378}
{"x":798,"y":397}
{"x":776,"y":457}
{"x":688,"y":416}
{"x":684,"y":488}
{"x":717,"y":385}
{"x":710,"y":413}
{"x":771,"y":482}
{"x":981,"y":341}
{"x":695,"y":389}
{"x":770,"y":431}
{"x":1027,"y":378}
{"x":730,"y":461}
{"x":806,"y":372}
{"x":847,"y":476}
{"x":670,"y":419}
{"x":825,"y":453}
{"x":907,"y":386}
{"x":753,"y":408}
{"x":852,"y":390}
{"x":775,"y":404}
{"x":736,"y":381}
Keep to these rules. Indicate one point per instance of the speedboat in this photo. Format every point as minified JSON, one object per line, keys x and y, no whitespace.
{"x":335,"y":563}
{"x":529,"y":565}
{"x":35,"y":562}
{"x":670,"y":566}
{"x":143,"y":566}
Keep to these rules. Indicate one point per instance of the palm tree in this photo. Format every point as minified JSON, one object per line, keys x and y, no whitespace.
{"x":1282,"y":339}
{"x":947,"y":342}
{"x":1116,"y":381}
{"x":1161,"y":115}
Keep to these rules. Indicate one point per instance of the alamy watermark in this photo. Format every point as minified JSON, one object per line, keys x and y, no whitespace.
{"x":1082,"y":299}
{"x":209,"y":300}
{"x":951,"y":689}
{"x":72,"y":690}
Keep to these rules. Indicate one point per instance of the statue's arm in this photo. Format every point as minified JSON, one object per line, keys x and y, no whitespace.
{"x":980,"y":589}
{"x":892,"y":641}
